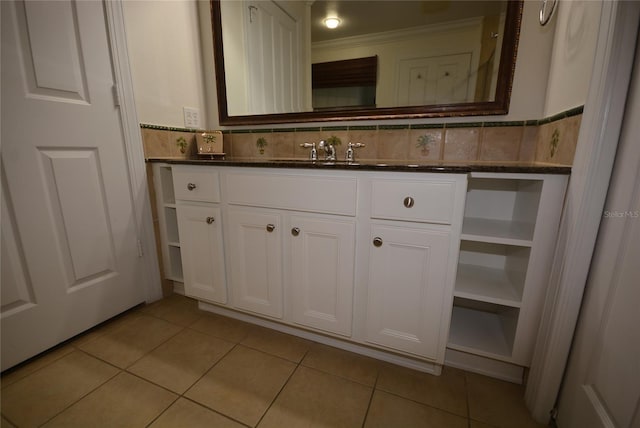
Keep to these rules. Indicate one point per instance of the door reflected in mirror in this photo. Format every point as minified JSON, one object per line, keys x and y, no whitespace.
{"x":278,"y":61}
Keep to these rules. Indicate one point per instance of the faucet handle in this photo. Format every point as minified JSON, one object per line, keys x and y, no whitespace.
{"x":313,"y":154}
{"x":350,"y":154}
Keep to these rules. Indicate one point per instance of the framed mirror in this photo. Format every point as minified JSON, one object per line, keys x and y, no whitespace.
{"x":277,"y":62}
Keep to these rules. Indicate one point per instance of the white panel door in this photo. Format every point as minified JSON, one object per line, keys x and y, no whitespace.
{"x":436,"y":80}
{"x":255,"y":257}
{"x":68,"y":227}
{"x":202,"y":252}
{"x":322,"y":268}
{"x":601,"y":387}
{"x":407,"y":278}
{"x":273,"y":59}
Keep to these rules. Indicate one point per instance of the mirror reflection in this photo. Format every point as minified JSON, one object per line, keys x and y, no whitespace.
{"x":351,"y":55}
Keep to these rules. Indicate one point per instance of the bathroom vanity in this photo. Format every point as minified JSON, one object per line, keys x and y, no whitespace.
{"x":419,"y":265}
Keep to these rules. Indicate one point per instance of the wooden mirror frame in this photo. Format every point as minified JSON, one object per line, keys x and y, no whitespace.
{"x":499,"y":106}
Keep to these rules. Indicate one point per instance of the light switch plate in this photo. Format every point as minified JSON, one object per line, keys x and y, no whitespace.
{"x":191,"y":117}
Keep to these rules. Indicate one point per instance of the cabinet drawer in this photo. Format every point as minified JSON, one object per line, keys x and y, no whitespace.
{"x":322,"y":194}
{"x":430,"y":201}
{"x":196,"y":183}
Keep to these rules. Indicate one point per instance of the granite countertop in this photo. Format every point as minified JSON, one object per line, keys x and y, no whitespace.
{"x":382,"y":165}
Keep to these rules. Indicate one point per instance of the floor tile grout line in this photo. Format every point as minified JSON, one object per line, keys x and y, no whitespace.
{"x":155,"y":347}
{"x":32,"y":360}
{"x":210,"y":368}
{"x":9,"y":420}
{"x":284,"y":385}
{"x":373,"y":391}
{"x":466,"y":392}
{"x":163,"y":411}
{"x":395,"y":394}
{"x":81,"y":398}
{"x":215,"y":411}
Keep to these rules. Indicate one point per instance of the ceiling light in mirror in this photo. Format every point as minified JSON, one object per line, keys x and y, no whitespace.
{"x":332,"y":23}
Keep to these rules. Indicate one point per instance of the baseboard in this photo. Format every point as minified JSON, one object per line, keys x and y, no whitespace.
{"x":484,"y":366}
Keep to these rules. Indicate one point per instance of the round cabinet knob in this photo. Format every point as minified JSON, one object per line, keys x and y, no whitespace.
{"x":270,"y":227}
{"x":210,"y":220}
{"x":377,"y":241}
{"x":408,"y":202}
{"x":191,"y":186}
{"x":295,"y":231}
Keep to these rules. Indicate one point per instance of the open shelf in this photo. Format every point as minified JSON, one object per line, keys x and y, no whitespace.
{"x":166,"y":185}
{"x":501,"y":210}
{"x":174,"y":271}
{"x":487,"y":285}
{"x":487,"y":330}
{"x":171,"y":225}
{"x":493,"y":273}
{"x":497,"y":231}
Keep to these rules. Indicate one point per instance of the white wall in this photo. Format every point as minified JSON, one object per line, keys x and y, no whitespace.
{"x":166,"y":60}
{"x":573,"y":54}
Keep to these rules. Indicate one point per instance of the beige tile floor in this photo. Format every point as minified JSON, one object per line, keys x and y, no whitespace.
{"x":170,"y":365}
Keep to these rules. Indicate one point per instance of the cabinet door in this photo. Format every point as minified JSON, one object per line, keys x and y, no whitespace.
{"x":200,"y":229}
{"x":407,"y":282}
{"x":322,"y":268}
{"x":255,"y":256}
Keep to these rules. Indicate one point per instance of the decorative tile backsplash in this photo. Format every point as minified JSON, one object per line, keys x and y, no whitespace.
{"x":550,"y":140}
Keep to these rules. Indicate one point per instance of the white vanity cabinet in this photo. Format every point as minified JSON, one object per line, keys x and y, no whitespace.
{"x":419,"y":269}
{"x":199,"y":218}
{"x":413,"y":231}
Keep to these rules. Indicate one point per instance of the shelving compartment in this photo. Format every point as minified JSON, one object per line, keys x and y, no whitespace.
{"x":171,"y":225}
{"x":175,"y":265}
{"x":166,"y":185}
{"x":492,"y":273}
{"x":482,"y":328}
{"x":501,"y":210}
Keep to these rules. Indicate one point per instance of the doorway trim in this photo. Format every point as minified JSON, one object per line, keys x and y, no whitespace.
{"x":591,"y":173}
{"x":133,"y":146}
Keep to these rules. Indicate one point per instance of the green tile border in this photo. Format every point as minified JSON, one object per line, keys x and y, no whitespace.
{"x":428,"y":126}
{"x":463,"y":125}
{"x":503,"y":124}
{"x":169,"y":128}
{"x":575,"y":111}
{"x":392,"y":127}
{"x":488,"y":124}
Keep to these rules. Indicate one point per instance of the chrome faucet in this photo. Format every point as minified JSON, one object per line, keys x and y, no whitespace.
{"x":350,"y":155}
{"x":313,"y":154}
{"x":329,"y":150}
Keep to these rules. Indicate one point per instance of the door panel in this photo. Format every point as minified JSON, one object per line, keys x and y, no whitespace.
{"x":405,"y":290}
{"x":202,"y":258}
{"x":601,"y":387}
{"x":73,"y":241}
{"x":322,"y":269}
{"x":255,"y":255}
{"x":76,"y":199}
